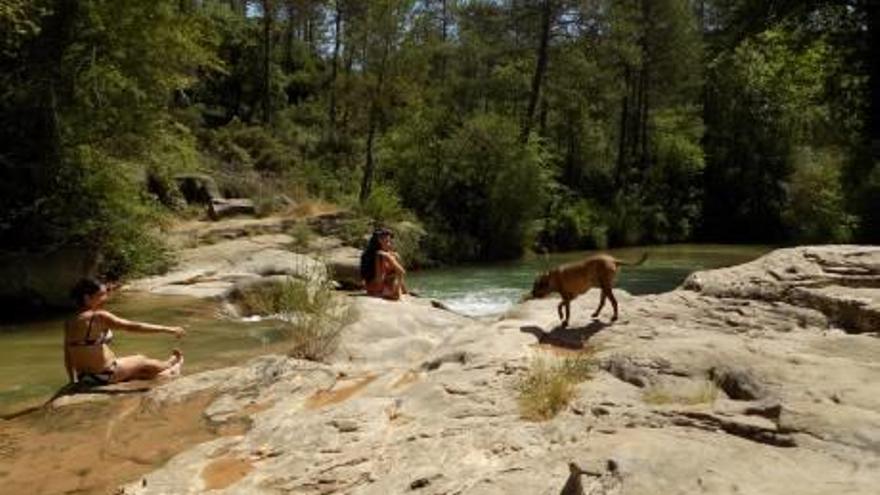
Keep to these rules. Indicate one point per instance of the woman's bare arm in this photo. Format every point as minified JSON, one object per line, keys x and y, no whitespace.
{"x":114,"y":321}
{"x":395,"y":261}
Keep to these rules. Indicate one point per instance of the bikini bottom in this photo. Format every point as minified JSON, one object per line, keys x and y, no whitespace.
{"x":97,"y":379}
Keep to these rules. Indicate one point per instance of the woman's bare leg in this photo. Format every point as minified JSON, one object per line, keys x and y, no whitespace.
{"x":143,"y":368}
{"x":393,"y":288}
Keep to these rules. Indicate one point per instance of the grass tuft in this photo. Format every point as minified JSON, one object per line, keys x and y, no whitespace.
{"x":312,"y":315}
{"x":547,"y":388}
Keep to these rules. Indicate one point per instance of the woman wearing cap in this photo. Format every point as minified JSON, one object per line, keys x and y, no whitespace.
{"x":381,"y":269}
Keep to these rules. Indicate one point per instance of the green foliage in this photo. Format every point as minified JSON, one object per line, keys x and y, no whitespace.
{"x":573,"y":224}
{"x":19,"y":21}
{"x":302,"y":235}
{"x":97,"y":206}
{"x":814,"y":209}
{"x":478,"y":188}
{"x":767,"y":100}
{"x":674,"y":184}
{"x":652,"y":124}
{"x":383,"y":205}
{"x":867,"y":199}
{"x":104,"y":73}
{"x":409,"y":242}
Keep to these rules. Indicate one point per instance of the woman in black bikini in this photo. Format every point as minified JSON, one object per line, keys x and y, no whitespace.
{"x":86,"y":353}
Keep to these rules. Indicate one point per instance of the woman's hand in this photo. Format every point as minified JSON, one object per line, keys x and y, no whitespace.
{"x":177,"y":331}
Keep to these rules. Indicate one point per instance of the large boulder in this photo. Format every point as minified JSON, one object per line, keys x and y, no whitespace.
{"x":223,"y":208}
{"x":197,"y":188}
{"x":34,"y":282}
{"x":344,"y":264}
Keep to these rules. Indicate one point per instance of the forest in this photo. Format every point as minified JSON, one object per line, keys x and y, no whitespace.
{"x":499,"y":126}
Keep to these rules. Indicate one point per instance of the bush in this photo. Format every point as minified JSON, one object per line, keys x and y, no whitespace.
{"x":313,"y":316}
{"x":573,"y":224}
{"x":673,"y":185}
{"x":477,"y":188}
{"x":383,"y":205}
{"x":626,"y":218}
{"x":814,"y":209}
{"x":867,"y":203}
{"x":302,"y":235}
{"x":99,"y":202}
{"x":547,"y":388}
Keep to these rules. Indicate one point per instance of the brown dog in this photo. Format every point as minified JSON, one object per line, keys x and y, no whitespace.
{"x":573,"y":279}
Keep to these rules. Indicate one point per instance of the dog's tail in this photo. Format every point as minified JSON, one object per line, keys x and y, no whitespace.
{"x":630,"y":263}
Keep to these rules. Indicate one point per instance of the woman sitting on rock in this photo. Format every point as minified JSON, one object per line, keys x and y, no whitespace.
{"x":381,"y":269}
{"x":88,"y":358}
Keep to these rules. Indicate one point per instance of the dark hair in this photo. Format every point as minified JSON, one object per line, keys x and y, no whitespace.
{"x":368,"y":257}
{"x":85,"y":287}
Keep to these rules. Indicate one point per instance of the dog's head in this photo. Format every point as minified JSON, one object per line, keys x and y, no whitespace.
{"x":541,"y":287}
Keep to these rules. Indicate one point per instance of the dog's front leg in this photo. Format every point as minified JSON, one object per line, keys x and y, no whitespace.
{"x":601,"y":304}
{"x":567,"y":304}
{"x":606,"y":288}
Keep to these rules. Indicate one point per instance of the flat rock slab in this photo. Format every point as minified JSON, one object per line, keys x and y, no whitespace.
{"x":213,"y":270}
{"x":729,"y":386}
{"x":842,"y":282}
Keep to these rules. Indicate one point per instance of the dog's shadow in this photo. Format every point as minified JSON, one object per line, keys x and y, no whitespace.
{"x":567,"y":338}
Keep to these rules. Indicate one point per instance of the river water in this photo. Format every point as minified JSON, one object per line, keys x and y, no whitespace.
{"x":31,"y":356}
{"x":490,"y":289}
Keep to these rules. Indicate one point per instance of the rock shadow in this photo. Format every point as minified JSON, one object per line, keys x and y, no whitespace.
{"x":567,"y":338}
{"x":125,"y":388}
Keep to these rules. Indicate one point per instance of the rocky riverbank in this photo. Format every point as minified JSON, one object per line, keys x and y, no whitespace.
{"x":421,"y":400}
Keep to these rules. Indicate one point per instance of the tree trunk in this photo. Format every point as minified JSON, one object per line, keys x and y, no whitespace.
{"x":267,"y":61}
{"x":444,"y":27}
{"x":634,"y":119}
{"x":334,"y":68}
{"x":644,"y":87}
{"x":619,"y":173}
{"x":288,"y":37}
{"x":238,"y":6}
{"x":701,"y":16}
{"x":367,"y":183}
{"x":444,"y":22}
{"x":873,"y":11}
{"x":643,"y":118}
{"x":540,"y":69}
{"x":542,"y":117}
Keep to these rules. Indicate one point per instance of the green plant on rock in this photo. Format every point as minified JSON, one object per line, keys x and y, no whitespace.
{"x":547,"y":388}
{"x":312,"y":315}
{"x":302,"y":235}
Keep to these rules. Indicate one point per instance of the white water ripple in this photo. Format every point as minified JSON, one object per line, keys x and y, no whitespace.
{"x":487,"y":302}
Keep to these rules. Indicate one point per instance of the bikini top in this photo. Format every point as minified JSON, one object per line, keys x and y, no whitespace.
{"x":105,"y":337}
